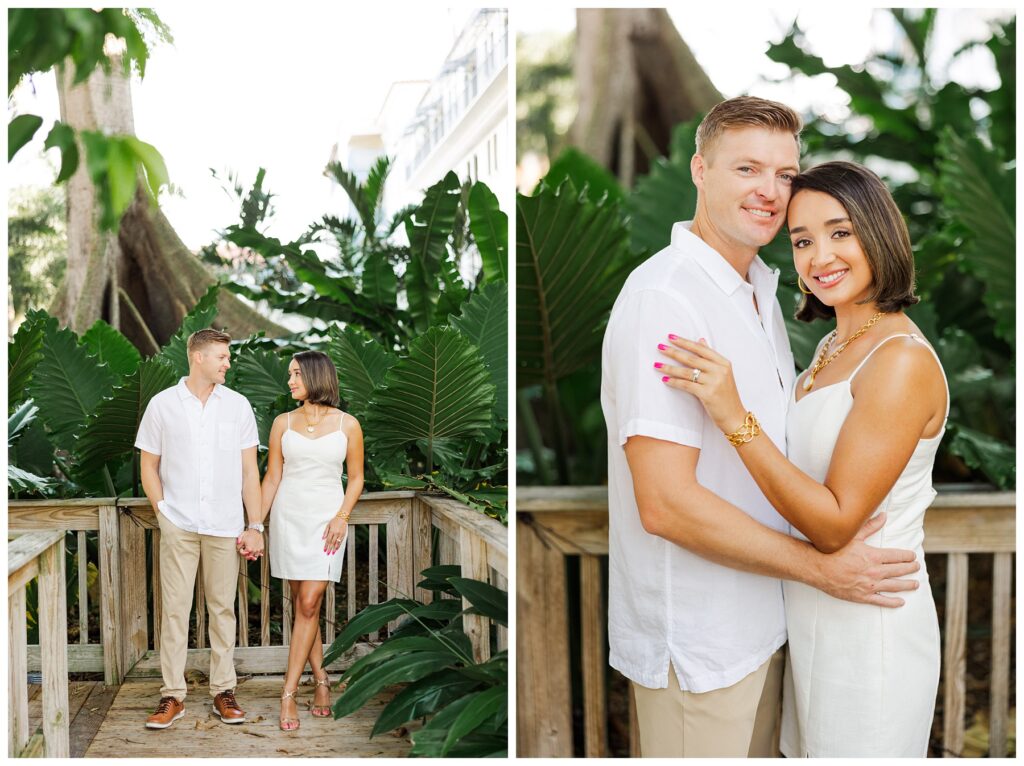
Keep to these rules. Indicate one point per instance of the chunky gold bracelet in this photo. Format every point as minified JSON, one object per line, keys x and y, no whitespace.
{"x":745,"y":432}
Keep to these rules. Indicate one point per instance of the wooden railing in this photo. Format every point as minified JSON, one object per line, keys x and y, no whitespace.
{"x":30,"y":556}
{"x":127,"y":641}
{"x":553,"y":523}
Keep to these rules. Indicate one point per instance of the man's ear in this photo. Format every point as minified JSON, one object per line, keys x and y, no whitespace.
{"x":697,"y":168}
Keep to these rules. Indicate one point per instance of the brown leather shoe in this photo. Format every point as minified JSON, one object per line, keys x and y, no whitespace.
{"x":227,"y":708}
{"x":168,"y":710}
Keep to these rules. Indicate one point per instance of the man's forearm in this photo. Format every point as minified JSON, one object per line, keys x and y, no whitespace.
{"x":703,"y":523}
{"x":251,"y":498}
{"x":152,"y":486}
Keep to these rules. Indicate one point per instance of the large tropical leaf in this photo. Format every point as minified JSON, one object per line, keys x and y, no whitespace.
{"x":490,"y":231}
{"x":587,"y":175}
{"x":109,"y":435}
{"x":485,"y":705}
{"x":997,"y":460}
{"x":380,"y":284}
{"x":430,"y":740}
{"x":362,"y":363}
{"x":486,"y":599}
{"x":201,"y":316}
{"x":410,"y":667}
{"x":68,"y":384}
{"x":428,"y":229}
{"x":261,"y":375}
{"x":666,"y":194}
{"x":19,"y":421}
{"x":441,"y":390}
{"x":368,"y":620}
{"x":23,"y":353}
{"x":454,"y":642}
{"x":978,"y":191}
{"x":572,"y":256}
{"x":484,"y":321}
{"x":422,"y":698}
{"x":111,"y":348}
{"x":19,"y":481}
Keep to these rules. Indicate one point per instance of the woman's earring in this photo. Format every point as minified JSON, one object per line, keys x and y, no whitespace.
{"x":801,"y":286}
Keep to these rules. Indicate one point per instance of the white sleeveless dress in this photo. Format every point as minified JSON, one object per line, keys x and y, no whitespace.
{"x":861,"y":680}
{"x":309,"y":495}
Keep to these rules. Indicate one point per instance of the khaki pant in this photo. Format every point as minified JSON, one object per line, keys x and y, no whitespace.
{"x":180,"y":552}
{"x":739,"y":721}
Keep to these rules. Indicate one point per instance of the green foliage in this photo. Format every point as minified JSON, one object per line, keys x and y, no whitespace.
{"x":36,"y":247}
{"x":40,"y":39}
{"x":490,"y":231}
{"x":111,"y":348}
{"x":572,"y":257}
{"x":468,"y":701}
{"x":440,"y":391}
{"x":428,"y":229}
{"x":23,"y":355}
{"x":363,"y":362}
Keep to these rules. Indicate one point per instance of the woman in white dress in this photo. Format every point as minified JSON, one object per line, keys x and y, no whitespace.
{"x":309,"y":509}
{"x":862,"y":431}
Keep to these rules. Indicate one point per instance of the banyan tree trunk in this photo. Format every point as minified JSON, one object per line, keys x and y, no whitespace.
{"x":141,"y":279}
{"x":636,"y":80}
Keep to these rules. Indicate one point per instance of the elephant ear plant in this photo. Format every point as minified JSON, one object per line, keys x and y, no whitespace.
{"x":464,"y":703}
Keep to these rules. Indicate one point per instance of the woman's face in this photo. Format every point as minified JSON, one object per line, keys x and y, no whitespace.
{"x":295,"y":384}
{"x":826,"y":252}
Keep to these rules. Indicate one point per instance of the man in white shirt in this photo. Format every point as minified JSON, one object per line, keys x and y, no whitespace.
{"x":695,"y":614}
{"x":198,"y":441}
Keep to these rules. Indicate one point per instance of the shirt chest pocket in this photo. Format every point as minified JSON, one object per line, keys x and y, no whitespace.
{"x":227,"y":435}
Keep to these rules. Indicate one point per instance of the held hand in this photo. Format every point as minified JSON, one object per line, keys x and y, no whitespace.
{"x":334,"y":535}
{"x":862,"y":573}
{"x":707,"y":375}
{"x":250,"y":544}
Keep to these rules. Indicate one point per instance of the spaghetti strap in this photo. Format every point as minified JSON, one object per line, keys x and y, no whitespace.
{"x":289,"y":414}
{"x":920,"y":340}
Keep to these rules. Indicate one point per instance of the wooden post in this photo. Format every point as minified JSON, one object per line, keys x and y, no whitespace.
{"x":330,"y":608}
{"x":954,"y":659}
{"x":243,"y":601}
{"x":17,"y":673}
{"x":542,"y":642}
{"x":83,"y":589}
{"x":110,"y":597}
{"x":158,"y":606}
{"x":351,"y":575}
{"x":286,"y":613}
{"x":1002,"y":583}
{"x":595,"y":720}
{"x":373,"y":561}
{"x":473,"y":553}
{"x":53,"y":647}
{"x":132,"y":553}
{"x":500,"y":581}
{"x":400,"y":557}
{"x":422,"y":532}
{"x":265,"y":596}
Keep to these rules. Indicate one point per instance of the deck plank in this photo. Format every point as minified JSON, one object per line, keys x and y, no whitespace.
{"x":89,"y":719}
{"x":200,"y":734}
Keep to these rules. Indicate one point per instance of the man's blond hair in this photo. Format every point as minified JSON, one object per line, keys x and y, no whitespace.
{"x":198,"y":340}
{"x":746,"y":112}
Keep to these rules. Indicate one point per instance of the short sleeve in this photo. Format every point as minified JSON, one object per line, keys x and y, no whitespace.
{"x":249,"y":434}
{"x":149,"y":437}
{"x":644,"y":405}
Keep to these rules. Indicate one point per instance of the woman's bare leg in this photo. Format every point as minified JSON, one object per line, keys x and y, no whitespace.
{"x":306,"y":600}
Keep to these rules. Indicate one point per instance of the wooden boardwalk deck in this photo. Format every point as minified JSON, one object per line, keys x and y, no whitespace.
{"x":108,"y":722}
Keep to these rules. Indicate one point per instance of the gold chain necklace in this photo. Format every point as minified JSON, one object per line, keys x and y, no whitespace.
{"x":823,"y":362}
{"x":314,"y":424}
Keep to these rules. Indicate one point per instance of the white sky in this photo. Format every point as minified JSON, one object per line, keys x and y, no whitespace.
{"x":262,"y":86}
{"x":732,"y":50}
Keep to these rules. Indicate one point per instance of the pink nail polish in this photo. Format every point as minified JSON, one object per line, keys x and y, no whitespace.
{"x":658,"y":365}
{"x":665,"y":379}
{"x":662,"y":347}
{"x":703,"y":341}
{"x":672,"y":336}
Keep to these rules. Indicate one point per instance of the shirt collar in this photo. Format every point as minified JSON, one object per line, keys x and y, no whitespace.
{"x":184,"y":392}
{"x":716,"y":267}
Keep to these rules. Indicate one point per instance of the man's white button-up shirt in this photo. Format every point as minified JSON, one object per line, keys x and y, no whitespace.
{"x":714,"y":624}
{"x":200,"y":449}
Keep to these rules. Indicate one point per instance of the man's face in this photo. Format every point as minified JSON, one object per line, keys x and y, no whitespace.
{"x":213,"y":361}
{"x":745,"y":182}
